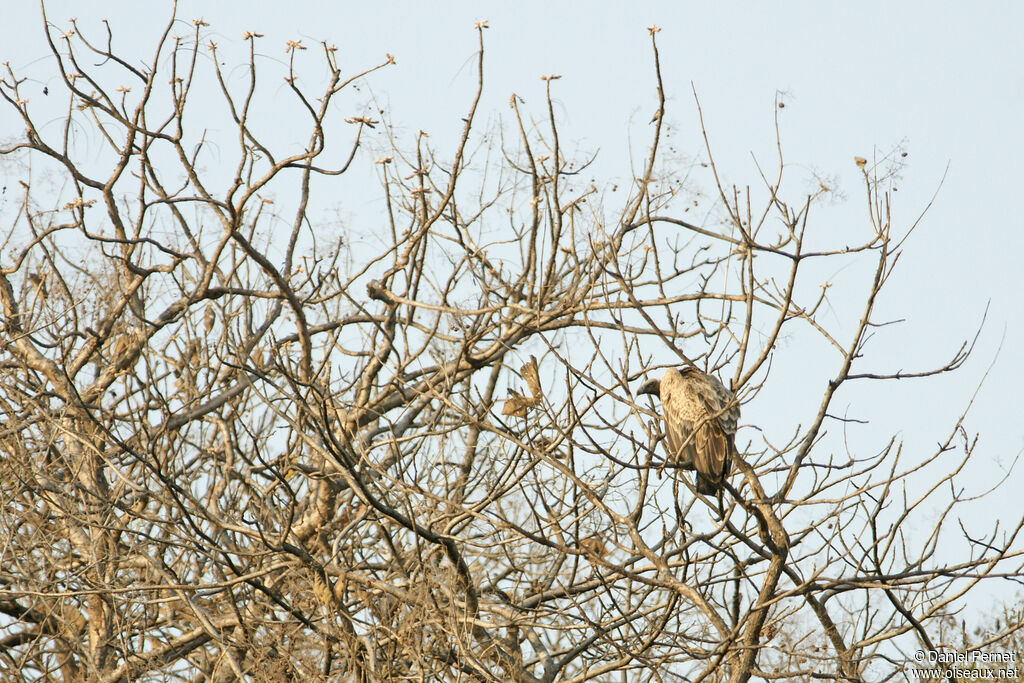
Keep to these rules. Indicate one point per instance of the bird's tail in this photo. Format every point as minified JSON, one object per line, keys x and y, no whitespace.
{"x":706,"y":485}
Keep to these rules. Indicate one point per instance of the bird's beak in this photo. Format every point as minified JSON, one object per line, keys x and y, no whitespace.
{"x":650,"y":387}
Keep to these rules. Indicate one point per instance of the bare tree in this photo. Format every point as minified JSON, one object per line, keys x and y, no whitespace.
{"x":242,"y":442}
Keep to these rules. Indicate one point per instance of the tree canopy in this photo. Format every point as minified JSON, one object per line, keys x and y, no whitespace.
{"x":244,"y":441}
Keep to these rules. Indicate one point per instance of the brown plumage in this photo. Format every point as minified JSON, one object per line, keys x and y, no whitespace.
{"x":700,"y":423}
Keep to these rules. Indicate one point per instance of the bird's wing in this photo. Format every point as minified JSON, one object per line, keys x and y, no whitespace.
{"x":715,"y":429}
{"x":712,"y":456}
{"x":720,"y":402}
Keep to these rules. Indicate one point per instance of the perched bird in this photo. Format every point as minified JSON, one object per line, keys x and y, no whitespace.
{"x":700,"y":420}
{"x":517,"y":404}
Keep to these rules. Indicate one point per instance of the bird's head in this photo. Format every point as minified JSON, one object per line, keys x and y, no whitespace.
{"x":650,"y":387}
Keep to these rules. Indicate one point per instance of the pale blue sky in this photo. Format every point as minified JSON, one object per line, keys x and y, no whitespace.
{"x":943,"y":80}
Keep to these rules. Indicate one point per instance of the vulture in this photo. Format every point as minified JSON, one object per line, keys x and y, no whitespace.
{"x":700,"y":420}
